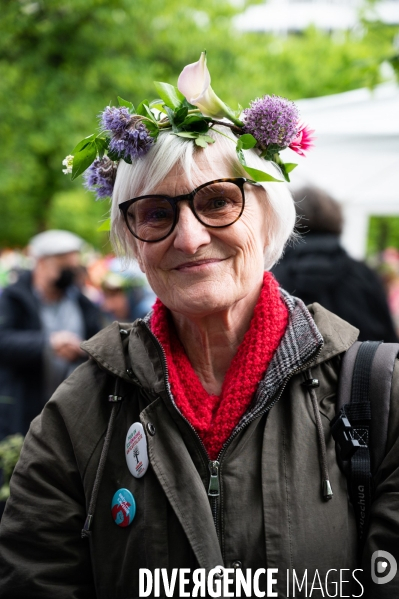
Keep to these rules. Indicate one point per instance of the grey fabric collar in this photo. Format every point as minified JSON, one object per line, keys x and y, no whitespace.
{"x":301,"y":342}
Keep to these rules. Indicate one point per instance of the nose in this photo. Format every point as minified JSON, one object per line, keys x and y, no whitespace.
{"x":189,"y":234}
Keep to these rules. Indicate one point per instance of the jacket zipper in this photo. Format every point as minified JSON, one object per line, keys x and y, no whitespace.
{"x":214,"y":465}
{"x":262,"y":412}
{"x":214,"y":491}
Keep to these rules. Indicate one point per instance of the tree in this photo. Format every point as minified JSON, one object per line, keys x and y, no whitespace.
{"x":62,"y":61}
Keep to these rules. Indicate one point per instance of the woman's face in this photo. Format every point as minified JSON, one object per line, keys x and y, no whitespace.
{"x":198,"y":271}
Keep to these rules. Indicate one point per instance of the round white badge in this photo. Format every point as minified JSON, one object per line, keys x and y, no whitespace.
{"x":136,"y":450}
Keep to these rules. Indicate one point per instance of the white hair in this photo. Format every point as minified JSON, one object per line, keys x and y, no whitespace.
{"x":141,"y":178}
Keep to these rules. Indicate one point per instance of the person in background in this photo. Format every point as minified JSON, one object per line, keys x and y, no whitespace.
{"x":126,"y":293}
{"x":43,"y":319}
{"x":318,"y":269}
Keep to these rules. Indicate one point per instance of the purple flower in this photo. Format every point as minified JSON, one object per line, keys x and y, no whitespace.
{"x":133,"y":142}
{"x":115,"y":119}
{"x":272,"y":120}
{"x":100,"y":178}
{"x":130,"y":137}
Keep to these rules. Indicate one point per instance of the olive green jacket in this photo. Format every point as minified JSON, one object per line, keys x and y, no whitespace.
{"x":270,"y":512}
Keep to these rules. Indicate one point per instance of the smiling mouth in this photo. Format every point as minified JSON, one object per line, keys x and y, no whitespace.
{"x":198,"y":263}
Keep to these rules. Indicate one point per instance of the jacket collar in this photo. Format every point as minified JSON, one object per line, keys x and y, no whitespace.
{"x":313,"y":336}
{"x":106,"y":348}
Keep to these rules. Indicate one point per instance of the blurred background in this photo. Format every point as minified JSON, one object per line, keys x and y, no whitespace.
{"x":62,"y":61}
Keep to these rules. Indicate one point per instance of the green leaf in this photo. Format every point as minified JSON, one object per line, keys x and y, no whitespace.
{"x":195,"y":123}
{"x":153,"y":128}
{"x":208,"y":139}
{"x":141,"y":108}
{"x":200,"y":141}
{"x":187,"y":134}
{"x":158,"y":105}
{"x":180,"y":115}
{"x":149,"y":113}
{"x":102,"y":141}
{"x":241,"y":157}
{"x":83,"y":159}
{"x":114,"y":156}
{"x":204,"y":140}
{"x":286,"y":168}
{"x":193,"y":118}
{"x":187,"y":104}
{"x":255,"y":174}
{"x":246,"y":142}
{"x":82,"y":144}
{"x":105,"y":226}
{"x":171,"y":117}
{"x":169,"y":94}
{"x":259,"y":176}
{"x":101,"y":145}
{"x":126,"y":103}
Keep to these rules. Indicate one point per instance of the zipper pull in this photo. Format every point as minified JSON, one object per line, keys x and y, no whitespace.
{"x":213,"y":490}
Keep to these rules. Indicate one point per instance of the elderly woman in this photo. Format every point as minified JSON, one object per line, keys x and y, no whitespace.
{"x":189,"y":441}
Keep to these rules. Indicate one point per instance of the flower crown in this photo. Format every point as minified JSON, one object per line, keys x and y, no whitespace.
{"x":189,"y":110}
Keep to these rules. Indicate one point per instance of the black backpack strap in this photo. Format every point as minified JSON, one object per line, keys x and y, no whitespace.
{"x":345,"y":377}
{"x":360,"y":427}
{"x":358,"y":412}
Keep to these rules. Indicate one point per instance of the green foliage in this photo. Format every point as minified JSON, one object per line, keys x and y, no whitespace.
{"x":10,"y":448}
{"x":383,"y":233}
{"x":77,"y":211}
{"x":169,"y":94}
{"x":62,"y":61}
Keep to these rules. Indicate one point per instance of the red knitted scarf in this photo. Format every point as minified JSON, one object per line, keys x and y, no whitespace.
{"x":215,"y":417}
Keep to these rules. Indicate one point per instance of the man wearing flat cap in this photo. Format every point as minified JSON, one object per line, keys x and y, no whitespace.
{"x":43,"y":319}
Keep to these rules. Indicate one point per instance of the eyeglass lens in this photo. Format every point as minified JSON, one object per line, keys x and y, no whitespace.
{"x":217,"y":204}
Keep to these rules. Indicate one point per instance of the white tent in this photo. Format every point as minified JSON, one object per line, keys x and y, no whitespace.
{"x":282,"y":16}
{"x":356,"y":156}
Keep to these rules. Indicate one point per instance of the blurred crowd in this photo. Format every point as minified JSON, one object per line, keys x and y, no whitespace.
{"x":53,"y":296}
{"x":121,"y":293}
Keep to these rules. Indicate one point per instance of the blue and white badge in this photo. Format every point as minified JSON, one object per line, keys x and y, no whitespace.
{"x":136,"y":450}
{"x":123,"y":507}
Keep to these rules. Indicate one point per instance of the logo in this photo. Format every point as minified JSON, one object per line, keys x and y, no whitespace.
{"x":383,"y":567}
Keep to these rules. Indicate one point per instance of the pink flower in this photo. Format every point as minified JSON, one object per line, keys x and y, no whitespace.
{"x":303,"y":141}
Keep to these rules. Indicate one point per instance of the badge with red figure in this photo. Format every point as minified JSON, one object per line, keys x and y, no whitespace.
{"x":123,"y":507}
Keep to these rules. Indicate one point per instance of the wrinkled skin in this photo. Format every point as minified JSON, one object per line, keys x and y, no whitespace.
{"x":210,"y":279}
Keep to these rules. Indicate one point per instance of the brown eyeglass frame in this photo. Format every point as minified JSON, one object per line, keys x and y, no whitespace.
{"x":239,"y":181}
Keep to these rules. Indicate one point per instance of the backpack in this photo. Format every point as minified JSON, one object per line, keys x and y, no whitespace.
{"x":360,"y":427}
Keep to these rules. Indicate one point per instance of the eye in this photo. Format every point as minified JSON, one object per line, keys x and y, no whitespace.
{"x":154,"y":215}
{"x":151,"y":212}
{"x":218,"y":203}
{"x":214,"y":203}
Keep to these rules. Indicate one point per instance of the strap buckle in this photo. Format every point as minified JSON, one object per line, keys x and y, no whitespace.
{"x":344,"y":435}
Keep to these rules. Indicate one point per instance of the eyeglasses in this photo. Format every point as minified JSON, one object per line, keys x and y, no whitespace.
{"x":215,"y":204}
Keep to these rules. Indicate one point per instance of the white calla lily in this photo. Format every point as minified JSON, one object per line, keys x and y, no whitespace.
{"x":195,"y":84}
